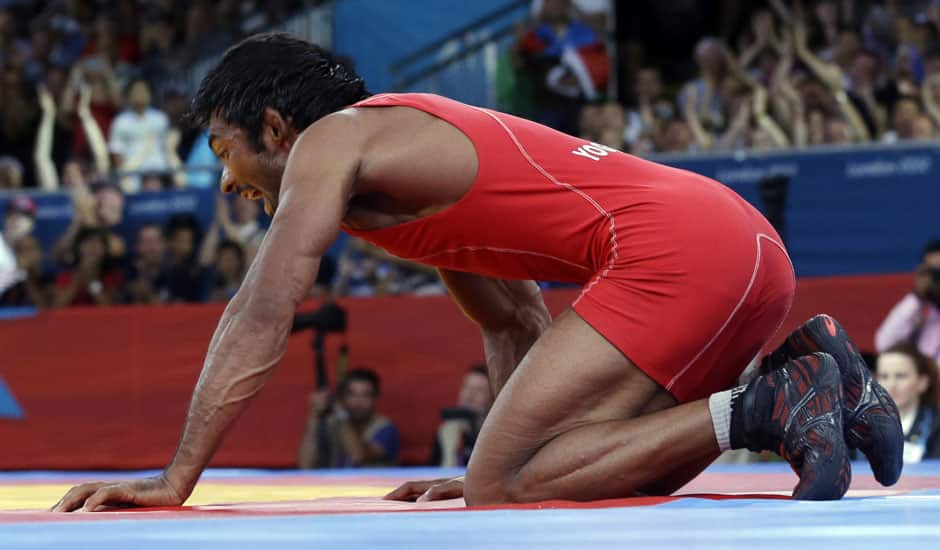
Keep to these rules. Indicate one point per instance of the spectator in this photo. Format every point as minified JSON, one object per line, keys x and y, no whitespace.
{"x":11,"y":173}
{"x":18,"y":222}
{"x":460,"y":425}
{"x":652,"y":111}
{"x":34,"y":286}
{"x":906,"y":111}
{"x":147,"y":277}
{"x":567,"y":61}
{"x":102,"y":207}
{"x":184,"y":275}
{"x":911,"y":379}
{"x":138,"y":137}
{"x":222,"y":264}
{"x":916,"y":318}
{"x":360,"y":273}
{"x":93,"y":280}
{"x":349,"y":433}
{"x":701,"y":97}
{"x":241,"y":226}
{"x":19,"y":219}
{"x":49,"y":124}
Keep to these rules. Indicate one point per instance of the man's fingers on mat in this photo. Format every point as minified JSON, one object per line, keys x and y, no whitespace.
{"x":413,"y":489}
{"x":111,"y":494}
{"x":451,"y":488}
{"x":76,"y":496}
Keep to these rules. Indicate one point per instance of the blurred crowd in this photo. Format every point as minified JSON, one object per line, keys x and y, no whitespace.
{"x":92,"y":103}
{"x":790,"y":74}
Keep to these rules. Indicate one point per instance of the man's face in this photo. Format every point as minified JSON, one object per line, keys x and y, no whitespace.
{"x":150,"y":245}
{"x":648,"y":83}
{"x":110,"y":204}
{"x":182,"y":243}
{"x":252,"y":174}
{"x":359,"y":400}
{"x":898,"y":374}
{"x":905,"y":112}
{"x":475,"y":393}
{"x":17,"y":225}
{"x":139,"y":96}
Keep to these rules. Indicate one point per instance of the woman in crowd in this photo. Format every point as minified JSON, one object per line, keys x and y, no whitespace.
{"x":911,"y":379}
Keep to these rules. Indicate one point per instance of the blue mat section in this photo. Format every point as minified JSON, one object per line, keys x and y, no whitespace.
{"x":881,"y":522}
{"x":876,"y":523}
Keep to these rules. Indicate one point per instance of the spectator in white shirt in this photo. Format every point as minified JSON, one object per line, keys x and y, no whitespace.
{"x":138,"y":137}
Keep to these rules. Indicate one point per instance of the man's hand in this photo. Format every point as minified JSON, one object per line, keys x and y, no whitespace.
{"x":320,"y":402}
{"x":94,"y":497}
{"x":428,"y":490}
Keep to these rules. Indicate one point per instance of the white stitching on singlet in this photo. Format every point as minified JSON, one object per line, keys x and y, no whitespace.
{"x":495,"y":249}
{"x":734,"y":311}
{"x":569,"y":187}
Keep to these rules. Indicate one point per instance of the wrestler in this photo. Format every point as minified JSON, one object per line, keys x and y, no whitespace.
{"x":629,"y":391}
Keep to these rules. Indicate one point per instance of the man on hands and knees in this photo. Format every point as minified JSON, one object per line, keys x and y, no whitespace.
{"x":623,"y":393}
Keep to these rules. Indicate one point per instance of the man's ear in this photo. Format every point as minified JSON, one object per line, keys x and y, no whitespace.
{"x":277,"y":132}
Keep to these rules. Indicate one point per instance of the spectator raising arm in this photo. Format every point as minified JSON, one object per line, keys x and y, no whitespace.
{"x":930,"y":93}
{"x":765,"y":121}
{"x":690,"y":112}
{"x":42,"y":153}
{"x":831,"y":75}
{"x":96,"y":140}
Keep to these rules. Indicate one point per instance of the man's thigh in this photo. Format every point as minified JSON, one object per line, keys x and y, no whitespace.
{"x":572,"y":376}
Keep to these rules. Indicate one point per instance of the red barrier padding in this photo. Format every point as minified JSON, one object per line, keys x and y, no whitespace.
{"x":109,"y":388}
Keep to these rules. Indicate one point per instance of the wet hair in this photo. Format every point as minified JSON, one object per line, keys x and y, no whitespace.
{"x":925,"y":366}
{"x":362,"y":375}
{"x":301,"y":81}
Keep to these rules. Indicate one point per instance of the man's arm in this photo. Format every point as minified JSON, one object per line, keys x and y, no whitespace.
{"x":511,"y":316}
{"x":252,"y":335}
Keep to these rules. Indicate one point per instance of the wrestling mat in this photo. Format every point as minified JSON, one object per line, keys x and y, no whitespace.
{"x":728,"y":506}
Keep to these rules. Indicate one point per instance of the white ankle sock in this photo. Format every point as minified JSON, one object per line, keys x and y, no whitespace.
{"x":719,"y":404}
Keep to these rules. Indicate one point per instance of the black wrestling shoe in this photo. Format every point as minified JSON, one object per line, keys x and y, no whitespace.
{"x":796,"y":411}
{"x":871,"y":419}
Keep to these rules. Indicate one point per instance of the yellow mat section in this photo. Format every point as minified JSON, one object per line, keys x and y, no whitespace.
{"x":44,"y":495}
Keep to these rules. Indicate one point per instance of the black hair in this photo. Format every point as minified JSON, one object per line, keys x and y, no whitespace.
{"x":478,"y":368}
{"x":234,"y":247}
{"x":87,"y":234}
{"x":181,"y":222}
{"x":933,"y":51}
{"x":300,"y":80}
{"x":150,"y":225}
{"x":932,"y":247}
{"x":363,"y":375}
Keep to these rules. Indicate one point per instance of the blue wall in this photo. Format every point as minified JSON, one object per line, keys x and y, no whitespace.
{"x":867,"y":210}
{"x":374,"y":33}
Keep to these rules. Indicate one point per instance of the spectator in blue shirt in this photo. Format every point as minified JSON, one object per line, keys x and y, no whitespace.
{"x":348,"y":432}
